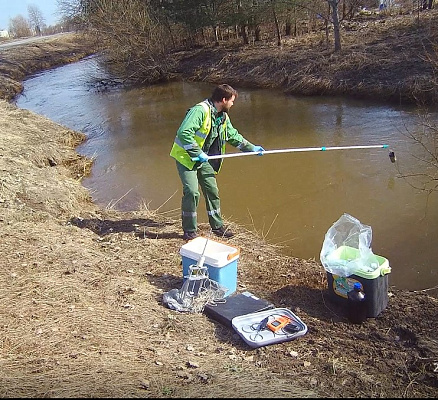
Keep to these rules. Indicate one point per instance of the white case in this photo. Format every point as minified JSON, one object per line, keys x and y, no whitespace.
{"x":247,"y":327}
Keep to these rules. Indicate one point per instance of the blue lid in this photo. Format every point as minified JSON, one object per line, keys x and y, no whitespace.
{"x":357,"y":286}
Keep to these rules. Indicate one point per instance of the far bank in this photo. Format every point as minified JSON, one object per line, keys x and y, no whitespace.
{"x":390,"y":59}
{"x":20,"y":61}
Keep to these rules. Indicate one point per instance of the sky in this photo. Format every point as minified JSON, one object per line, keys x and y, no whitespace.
{"x":11,"y":8}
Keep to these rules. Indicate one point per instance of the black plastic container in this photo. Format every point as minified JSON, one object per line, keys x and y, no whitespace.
{"x":374,"y":283}
{"x":375,"y":289}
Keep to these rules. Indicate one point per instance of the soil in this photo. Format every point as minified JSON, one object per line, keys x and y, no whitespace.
{"x":82,"y":289}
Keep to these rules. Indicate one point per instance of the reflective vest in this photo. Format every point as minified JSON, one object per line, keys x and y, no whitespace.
{"x":179,"y":150}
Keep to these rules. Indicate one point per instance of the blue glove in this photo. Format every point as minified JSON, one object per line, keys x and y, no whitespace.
{"x":201,"y":157}
{"x":259,"y":149}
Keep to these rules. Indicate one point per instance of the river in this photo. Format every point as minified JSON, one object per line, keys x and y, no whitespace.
{"x":290,"y":198}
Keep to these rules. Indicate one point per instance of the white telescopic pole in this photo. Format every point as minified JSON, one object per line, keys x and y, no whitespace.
{"x":252,"y":153}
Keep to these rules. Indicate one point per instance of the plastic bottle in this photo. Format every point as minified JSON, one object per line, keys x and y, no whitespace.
{"x":357,"y":306}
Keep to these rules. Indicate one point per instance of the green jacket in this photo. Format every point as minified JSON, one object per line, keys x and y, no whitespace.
{"x":205,"y":130}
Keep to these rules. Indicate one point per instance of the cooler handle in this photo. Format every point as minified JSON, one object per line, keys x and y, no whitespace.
{"x":232,"y":255}
{"x":385,"y":271}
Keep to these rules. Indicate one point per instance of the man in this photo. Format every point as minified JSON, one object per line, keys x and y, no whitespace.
{"x":204,"y":131}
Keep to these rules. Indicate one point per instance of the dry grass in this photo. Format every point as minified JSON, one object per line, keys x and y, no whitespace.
{"x":389,"y":59}
{"x":18,"y":62}
{"x":33,"y":162}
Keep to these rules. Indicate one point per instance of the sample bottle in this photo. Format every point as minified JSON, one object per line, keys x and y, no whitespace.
{"x":357,"y":306}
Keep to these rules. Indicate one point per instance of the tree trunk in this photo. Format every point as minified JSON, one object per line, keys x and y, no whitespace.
{"x":244,"y":33}
{"x":277,"y":27}
{"x":335,"y":20}
{"x":295,"y":23}
{"x":288,"y":29}
{"x":257,"y":33}
{"x":216,"y":36}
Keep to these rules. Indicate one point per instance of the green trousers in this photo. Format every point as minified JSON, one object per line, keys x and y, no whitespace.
{"x":204,"y":177}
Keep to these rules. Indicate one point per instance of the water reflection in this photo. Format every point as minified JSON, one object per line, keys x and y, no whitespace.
{"x":291,"y":198}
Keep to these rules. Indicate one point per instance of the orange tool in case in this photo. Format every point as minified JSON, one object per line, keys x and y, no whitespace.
{"x":279,"y":322}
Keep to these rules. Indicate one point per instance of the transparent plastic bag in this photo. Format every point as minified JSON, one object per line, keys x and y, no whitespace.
{"x":347,"y":248}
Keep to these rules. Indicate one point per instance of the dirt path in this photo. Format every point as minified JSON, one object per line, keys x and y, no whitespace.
{"x":82,"y":312}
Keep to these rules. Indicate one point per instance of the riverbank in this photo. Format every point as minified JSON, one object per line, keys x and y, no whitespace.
{"x":82,"y":299}
{"x":20,"y":61}
{"x":386,"y":59}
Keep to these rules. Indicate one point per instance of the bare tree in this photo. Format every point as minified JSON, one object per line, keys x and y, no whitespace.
{"x":19,"y":27}
{"x":69,"y":8}
{"x":74,"y":11}
{"x":425,"y":137}
{"x":36,"y":19}
{"x":335,"y":20}
{"x":132,"y":38}
{"x":424,"y":142}
{"x":277,"y":27}
{"x":331,"y":17}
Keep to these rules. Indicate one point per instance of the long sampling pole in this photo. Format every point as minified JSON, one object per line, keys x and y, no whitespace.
{"x":299,"y":149}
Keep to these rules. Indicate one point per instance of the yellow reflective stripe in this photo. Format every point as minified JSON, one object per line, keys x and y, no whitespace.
{"x":206,"y":126}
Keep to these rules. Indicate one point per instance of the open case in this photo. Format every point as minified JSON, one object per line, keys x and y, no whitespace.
{"x":268,"y":327}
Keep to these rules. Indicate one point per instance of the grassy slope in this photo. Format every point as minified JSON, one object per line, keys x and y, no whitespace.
{"x":384,"y":59}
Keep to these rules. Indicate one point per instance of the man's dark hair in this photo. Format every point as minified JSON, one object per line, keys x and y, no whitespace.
{"x":223,"y":92}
